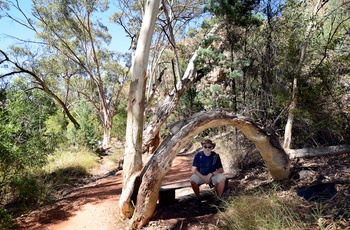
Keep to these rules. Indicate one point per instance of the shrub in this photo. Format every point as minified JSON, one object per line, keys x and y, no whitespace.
{"x":6,"y":221}
{"x":27,"y":189}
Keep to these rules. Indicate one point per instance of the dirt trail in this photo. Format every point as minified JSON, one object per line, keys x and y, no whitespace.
{"x":94,"y":206}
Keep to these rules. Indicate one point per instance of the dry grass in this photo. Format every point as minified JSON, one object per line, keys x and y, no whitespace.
{"x":71,"y":158}
{"x":262,"y":210}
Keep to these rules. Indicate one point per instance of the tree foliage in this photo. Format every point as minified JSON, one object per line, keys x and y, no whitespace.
{"x":72,"y":59}
{"x":23,"y":143}
{"x":237,"y":12}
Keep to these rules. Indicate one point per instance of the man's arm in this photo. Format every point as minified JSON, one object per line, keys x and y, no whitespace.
{"x":218,"y":165}
{"x":218,"y":171}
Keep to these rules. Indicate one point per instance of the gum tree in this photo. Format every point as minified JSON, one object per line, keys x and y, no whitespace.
{"x":70,"y":31}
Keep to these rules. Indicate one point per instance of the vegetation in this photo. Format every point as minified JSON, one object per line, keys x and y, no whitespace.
{"x":63,"y":95}
{"x":263,"y":210}
{"x":268,"y":208}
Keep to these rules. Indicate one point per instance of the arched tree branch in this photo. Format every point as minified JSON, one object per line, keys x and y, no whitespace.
{"x":156,"y":168}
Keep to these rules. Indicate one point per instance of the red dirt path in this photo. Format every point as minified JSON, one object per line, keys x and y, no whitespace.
{"x":94,"y":206}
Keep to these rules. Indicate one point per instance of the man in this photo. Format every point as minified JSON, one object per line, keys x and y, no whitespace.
{"x":207,"y":169}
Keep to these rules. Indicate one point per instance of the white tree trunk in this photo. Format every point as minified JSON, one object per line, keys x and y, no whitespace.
{"x":133,"y":145}
{"x":291,"y":110}
{"x":170,"y":102}
{"x":107,"y":134}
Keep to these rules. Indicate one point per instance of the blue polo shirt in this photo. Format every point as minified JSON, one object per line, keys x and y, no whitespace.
{"x":207,"y":164}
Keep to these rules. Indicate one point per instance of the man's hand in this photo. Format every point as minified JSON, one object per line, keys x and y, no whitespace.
{"x":207,"y":178}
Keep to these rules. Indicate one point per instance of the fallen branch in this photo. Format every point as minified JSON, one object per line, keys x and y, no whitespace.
{"x":317,"y":152}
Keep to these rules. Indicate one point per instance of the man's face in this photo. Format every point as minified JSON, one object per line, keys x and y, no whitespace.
{"x":207,"y":148}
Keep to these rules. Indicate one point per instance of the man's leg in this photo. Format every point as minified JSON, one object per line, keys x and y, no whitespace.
{"x":195,"y":188}
{"x":196,"y":181}
{"x":220,"y":182}
{"x":220,"y":187}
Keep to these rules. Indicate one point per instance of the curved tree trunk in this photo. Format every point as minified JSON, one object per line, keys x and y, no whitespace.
{"x":154,"y":171}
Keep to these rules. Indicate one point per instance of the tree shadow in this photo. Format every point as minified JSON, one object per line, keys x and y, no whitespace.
{"x":67,"y":207}
{"x":184,"y":211}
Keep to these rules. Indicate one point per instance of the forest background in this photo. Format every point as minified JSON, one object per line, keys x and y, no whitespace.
{"x":284,"y":64}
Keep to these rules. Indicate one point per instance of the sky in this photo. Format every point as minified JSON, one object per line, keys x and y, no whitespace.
{"x":120,"y":41}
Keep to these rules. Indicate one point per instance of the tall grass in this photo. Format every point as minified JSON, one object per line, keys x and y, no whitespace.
{"x":68,"y":168}
{"x":261,"y":211}
{"x":72,"y":158}
{"x":64,"y":169}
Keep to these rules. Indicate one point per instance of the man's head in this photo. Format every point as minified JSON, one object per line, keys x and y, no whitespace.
{"x":208,"y":145}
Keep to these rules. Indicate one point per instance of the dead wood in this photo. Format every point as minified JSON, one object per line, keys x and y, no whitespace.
{"x":317,"y":152}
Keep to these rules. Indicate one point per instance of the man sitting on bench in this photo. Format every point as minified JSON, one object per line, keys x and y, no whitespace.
{"x":207,"y":169}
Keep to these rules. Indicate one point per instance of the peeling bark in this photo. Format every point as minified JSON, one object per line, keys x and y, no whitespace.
{"x":134,"y":130}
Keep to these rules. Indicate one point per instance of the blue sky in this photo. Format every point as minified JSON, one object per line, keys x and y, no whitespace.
{"x":119,"y":42}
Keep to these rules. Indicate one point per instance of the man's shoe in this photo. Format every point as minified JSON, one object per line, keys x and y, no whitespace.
{"x":197,"y":201}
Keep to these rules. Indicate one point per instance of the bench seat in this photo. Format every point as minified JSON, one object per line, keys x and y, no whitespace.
{"x":167,"y":191}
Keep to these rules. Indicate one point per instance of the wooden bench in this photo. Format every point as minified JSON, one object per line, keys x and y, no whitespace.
{"x":167,"y":191}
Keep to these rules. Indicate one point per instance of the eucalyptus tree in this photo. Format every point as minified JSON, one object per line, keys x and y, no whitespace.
{"x":237,"y":16}
{"x":70,"y":28}
{"x":136,"y":108}
{"x":167,"y":59}
{"x":135,"y":119}
{"x":71,"y":31}
{"x":315,"y":31}
{"x":27,"y":67}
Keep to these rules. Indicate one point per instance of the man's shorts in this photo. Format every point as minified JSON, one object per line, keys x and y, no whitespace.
{"x":215,"y":179}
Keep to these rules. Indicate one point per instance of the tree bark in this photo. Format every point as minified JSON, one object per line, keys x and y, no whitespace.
{"x":156,"y":168}
{"x":190,"y":76}
{"x":133,"y":145}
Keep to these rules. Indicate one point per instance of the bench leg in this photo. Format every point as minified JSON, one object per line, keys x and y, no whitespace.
{"x":167,"y":197}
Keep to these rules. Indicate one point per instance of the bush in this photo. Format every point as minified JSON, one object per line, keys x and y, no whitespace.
{"x":90,"y":130}
{"x":119,"y":125}
{"x":24,"y":145}
{"x":27,"y":189}
{"x":5,"y":219}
